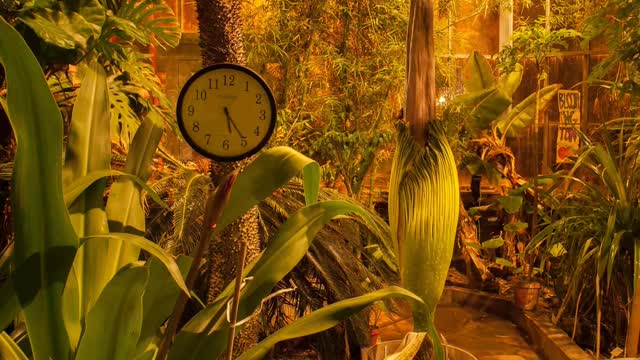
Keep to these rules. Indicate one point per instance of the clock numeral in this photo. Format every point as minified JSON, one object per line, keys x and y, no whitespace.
{"x":243,"y":142}
{"x":229,"y":80}
{"x":208,"y":137}
{"x":196,"y":126}
{"x":246,"y":86}
{"x":257,"y":131}
{"x":191,"y":110}
{"x":213,"y":84}
{"x":258,"y":98}
{"x":201,"y":95}
{"x":263,"y":114}
{"x":225,"y":144}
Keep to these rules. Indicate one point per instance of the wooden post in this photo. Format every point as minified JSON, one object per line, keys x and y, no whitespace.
{"x":506,"y":24}
{"x":546,"y":134}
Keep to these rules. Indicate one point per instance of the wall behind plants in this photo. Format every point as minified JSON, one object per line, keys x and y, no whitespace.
{"x":337,"y":68}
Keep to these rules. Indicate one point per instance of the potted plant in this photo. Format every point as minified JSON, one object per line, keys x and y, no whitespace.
{"x":526,"y":289}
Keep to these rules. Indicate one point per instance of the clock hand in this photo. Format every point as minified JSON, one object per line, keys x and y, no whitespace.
{"x":231,"y":122}
{"x":226,"y":113}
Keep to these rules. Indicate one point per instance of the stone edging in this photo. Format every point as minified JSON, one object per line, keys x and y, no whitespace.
{"x":549,"y":340}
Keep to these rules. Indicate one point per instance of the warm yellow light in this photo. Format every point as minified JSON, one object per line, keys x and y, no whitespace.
{"x":442,"y":100}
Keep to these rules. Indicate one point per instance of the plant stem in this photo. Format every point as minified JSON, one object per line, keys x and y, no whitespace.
{"x":633,"y":329}
{"x":236,"y":299}
{"x":598,"y":316}
{"x":216,"y":203}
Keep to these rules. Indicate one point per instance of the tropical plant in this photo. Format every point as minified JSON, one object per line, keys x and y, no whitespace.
{"x":596,"y":223}
{"x":534,"y":40}
{"x":64,"y":319}
{"x":423,"y":192}
{"x":615,"y":21}
{"x":63,"y":33}
{"x":221,"y":41}
{"x":492,"y":121}
{"x":338,"y":70}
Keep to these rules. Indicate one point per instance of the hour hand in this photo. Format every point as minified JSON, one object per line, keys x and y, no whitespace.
{"x":226,"y":113}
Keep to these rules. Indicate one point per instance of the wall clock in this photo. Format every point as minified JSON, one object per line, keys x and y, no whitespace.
{"x":226,"y":112}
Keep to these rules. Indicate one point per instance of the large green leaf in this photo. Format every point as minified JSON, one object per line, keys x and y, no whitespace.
{"x":423,"y":215}
{"x":88,"y":150}
{"x":523,"y":114}
{"x":271,"y":170}
{"x":9,"y":306}
{"x":477,"y":74}
{"x":79,"y":186}
{"x":205,"y":335}
{"x":150,"y":20}
{"x":511,"y":204}
{"x":510,"y":82}
{"x":45,"y":243}
{"x":484,"y":107}
{"x":149,"y":246}
{"x":323,"y":319}
{"x":9,"y":349}
{"x":113,"y":324}
{"x":493,"y":243}
{"x":67,"y":24}
{"x":124,"y":207}
{"x":160,"y":295}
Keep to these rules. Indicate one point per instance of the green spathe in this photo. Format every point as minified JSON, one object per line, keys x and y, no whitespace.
{"x":423,"y":214}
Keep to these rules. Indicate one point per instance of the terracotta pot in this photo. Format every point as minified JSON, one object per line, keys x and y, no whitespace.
{"x":525,"y":294}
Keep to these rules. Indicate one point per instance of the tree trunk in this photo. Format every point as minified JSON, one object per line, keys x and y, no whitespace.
{"x":221,"y":40}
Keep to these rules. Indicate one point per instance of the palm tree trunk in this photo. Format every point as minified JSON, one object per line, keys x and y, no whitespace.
{"x":221,"y":40}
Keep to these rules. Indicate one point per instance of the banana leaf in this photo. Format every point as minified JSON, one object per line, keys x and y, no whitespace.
{"x":113,"y":324}
{"x":477,"y":74}
{"x":484,"y":107}
{"x":124,"y":207}
{"x":323,"y":319}
{"x":510,"y":82}
{"x":205,"y":335}
{"x":524,"y":113}
{"x":88,"y":150}
{"x":45,"y":243}
{"x":423,"y":215}
{"x":9,"y":349}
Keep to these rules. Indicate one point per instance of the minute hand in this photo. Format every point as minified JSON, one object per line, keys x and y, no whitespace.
{"x":231,"y":122}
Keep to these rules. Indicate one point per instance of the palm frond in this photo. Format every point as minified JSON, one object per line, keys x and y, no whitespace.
{"x":335,"y":268}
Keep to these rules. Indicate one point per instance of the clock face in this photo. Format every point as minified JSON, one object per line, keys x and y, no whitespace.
{"x":226,"y":112}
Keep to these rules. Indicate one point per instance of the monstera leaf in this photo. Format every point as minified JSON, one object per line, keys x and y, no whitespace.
{"x":66,"y":24}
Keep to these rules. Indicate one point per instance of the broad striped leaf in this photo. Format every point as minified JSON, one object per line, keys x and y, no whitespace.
{"x":45,"y":243}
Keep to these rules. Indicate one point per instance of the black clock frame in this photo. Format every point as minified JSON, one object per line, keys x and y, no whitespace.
{"x":194,"y":144}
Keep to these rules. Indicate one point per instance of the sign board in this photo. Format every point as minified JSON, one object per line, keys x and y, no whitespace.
{"x":568,"y":142}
